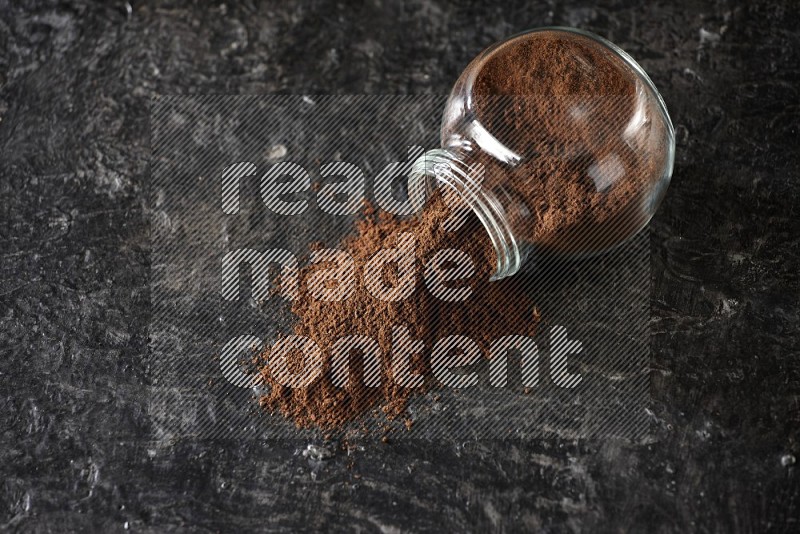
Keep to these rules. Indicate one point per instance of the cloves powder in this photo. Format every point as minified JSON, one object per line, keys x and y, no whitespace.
{"x":559,"y":101}
{"x":589,"y":133}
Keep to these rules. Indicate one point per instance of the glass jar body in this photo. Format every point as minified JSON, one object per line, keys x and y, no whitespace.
{"x":558,"y":141}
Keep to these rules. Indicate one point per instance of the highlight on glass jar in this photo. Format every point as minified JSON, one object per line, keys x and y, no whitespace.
{"x":558,"y":141}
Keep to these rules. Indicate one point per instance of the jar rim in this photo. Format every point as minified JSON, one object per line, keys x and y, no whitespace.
{"x":442,"y":167}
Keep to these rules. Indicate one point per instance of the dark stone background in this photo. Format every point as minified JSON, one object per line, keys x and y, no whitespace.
{"x":76,"y":80}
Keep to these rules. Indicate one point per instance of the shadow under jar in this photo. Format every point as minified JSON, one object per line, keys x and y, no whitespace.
{"x":558,"y":141}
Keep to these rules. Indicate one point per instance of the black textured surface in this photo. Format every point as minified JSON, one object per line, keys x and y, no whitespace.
{"x":74,"y":301}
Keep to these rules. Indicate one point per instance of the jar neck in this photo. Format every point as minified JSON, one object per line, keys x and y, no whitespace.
{"x":450,"y":168}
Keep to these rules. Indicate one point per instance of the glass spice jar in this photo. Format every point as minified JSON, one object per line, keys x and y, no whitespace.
{"x":558,"y":141}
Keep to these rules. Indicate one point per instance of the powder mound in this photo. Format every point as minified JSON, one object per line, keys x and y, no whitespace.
{"x":491,"y":310}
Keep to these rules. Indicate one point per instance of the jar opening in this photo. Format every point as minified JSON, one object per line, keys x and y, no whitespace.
{"x":439,"y":167}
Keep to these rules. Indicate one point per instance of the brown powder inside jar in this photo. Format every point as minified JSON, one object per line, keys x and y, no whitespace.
{"x":491,"y":310}
{"x":584,"y":125}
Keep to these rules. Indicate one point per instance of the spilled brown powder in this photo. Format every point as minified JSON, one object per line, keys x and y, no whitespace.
{"x":492,"y":310}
